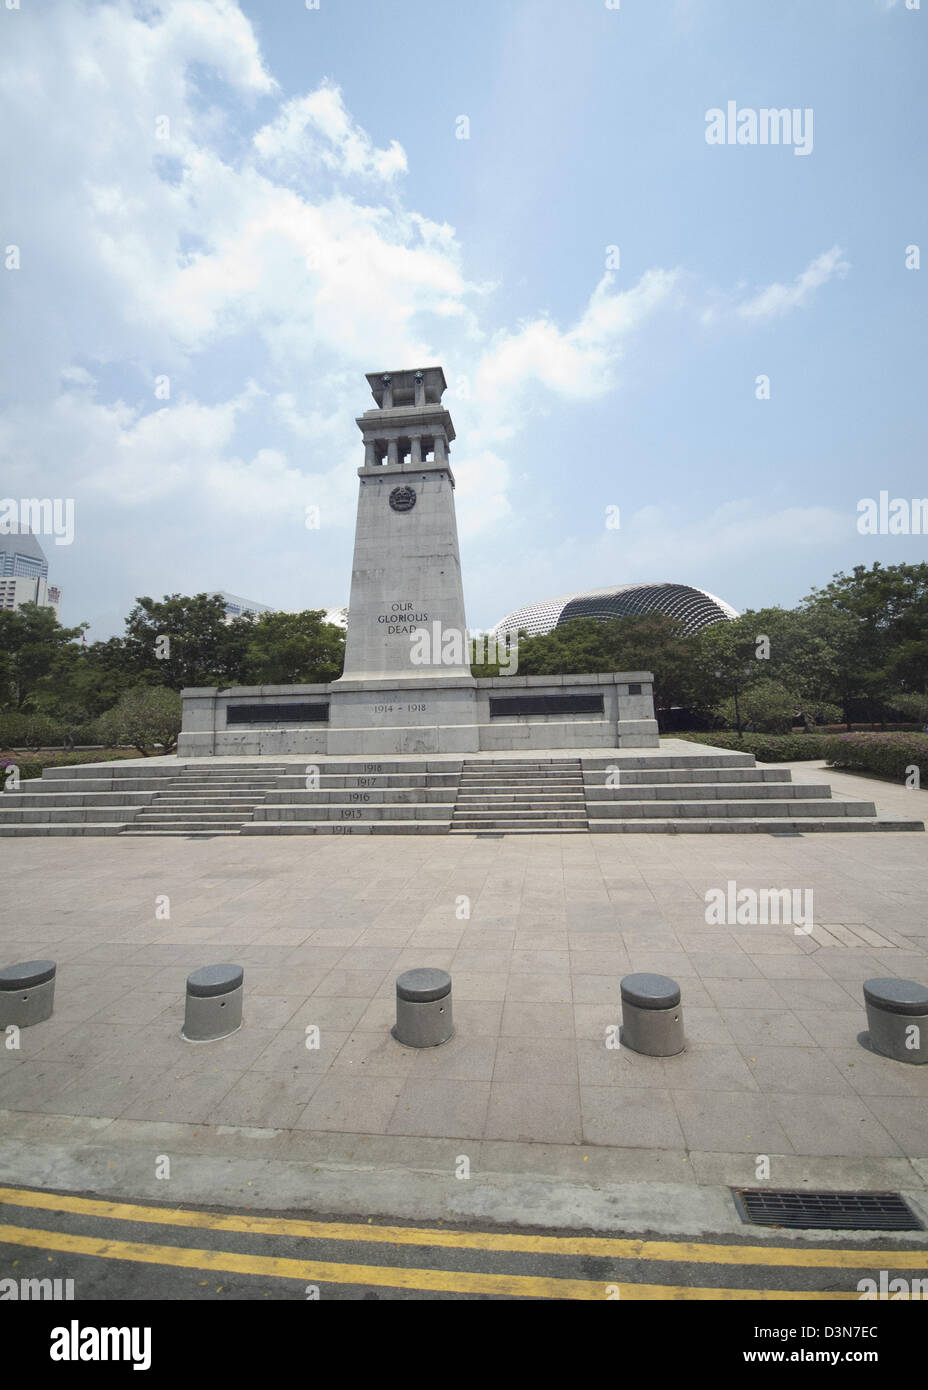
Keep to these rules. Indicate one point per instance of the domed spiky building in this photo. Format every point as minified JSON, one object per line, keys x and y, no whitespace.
{"x":694,"y":608}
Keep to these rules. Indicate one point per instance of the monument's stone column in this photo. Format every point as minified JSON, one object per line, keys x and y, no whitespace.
{"x":406,"y":573}
{"x":407,"y":685}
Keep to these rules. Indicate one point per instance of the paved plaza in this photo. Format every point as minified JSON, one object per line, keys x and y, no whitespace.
{"x":537,"y":931}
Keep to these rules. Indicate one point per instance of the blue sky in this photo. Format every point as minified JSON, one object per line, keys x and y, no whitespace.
{"x":311,"y":215}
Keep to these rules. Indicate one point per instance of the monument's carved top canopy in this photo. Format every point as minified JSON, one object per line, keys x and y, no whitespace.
{"x":416,"y":387}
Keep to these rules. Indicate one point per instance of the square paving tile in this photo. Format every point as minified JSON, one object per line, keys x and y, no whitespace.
{"x":440,"y":1108}
{"x":630,"y":1119}
{"x":550,"y":987}
{"x":529,"y":1020}
{"x":354,"y":1104}
{"x":548,"y":1060}
{"x":730,"y":1122}
{"x":752,"y":1027}
{"x":184,"y":1100}
{"x":834,"y":1125}
{"x":794,"y":1070}
{"x":548,"y":1114}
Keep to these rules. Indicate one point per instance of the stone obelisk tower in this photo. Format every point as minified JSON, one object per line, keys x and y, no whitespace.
{"x":406,"y":575}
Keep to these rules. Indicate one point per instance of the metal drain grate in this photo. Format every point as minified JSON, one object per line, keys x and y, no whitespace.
{"x":489,"y":835}
{"x":845,"y":1211}
{"x":785,"y":834}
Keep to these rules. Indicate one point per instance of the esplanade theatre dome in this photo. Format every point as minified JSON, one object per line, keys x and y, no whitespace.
{"x":694,"y":608}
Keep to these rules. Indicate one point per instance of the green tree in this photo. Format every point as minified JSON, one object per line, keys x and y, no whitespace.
{"x":147,"y":717}
{"x":183,"y":641}
{"x":34,"y":650}
{"x":765,"y":706}
{"x":876,"y":622}
{"x":290,"y":648}
{"x":642,"y":642}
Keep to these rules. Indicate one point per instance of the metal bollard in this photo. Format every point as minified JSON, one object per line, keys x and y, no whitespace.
{"x":423,"y":1008}
{"x":214,"y":1003}
{"x":652,"y":1018}
{"x":897,"y":1017}
{"x":27,"y":993}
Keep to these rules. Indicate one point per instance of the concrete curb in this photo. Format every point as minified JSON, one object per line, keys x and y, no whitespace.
{"x":353,"y":1177}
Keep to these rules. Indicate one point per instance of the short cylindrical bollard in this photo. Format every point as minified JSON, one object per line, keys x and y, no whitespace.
{"x":652,"y":1018}
{"x":214,"y":1003}
{"x":897,"y":1017}
{"x":423,"y":1008}
{"x":27,"y":993}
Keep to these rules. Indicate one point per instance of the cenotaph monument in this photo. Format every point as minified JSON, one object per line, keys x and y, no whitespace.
{"x":407,"y":686}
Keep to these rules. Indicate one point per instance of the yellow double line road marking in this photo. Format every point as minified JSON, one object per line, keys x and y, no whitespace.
{"x":524,"y":1286}
{"x":384,"y":1276}
{"x":685,"y":1252}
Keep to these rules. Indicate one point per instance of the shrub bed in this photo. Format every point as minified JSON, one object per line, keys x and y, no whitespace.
{"x":34,"y":764}
{"x":767,"y":748}
{"x":888,"y":755}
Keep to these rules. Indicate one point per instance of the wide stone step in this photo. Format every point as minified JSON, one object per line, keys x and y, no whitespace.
{"x":749,"y":825}
{"x":248,"y":770}
{"x":182,"y":827}
{"x":544,"y":808}
{"x":11,"y":800}
{"x":347,"y":796}
{"x":92,"y":786}
{"x":189,"y":833}
{"x":353,"y":814}
{"x":513,"y":813}
{"x":522,"y":830}
{"x":213,"y":799}
{"x":63,"y":828}
{"x":545,"y":826}
{"x":305,"y":827}
{"x":658,"y":776}
{"x":647,"y":761}
{"x":552,"y":794}
{"x":471,"y":782}
{"x":65,"y":815}
{"x":159,"y":808}
{"x":679,"y":810}
{"x":385,"y":780}
{"x":772,"y":791}
{"x":222,"y":786}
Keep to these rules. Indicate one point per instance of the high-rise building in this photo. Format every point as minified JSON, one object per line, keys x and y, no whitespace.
{"x":24,"y":572}
{"x":236,"y":606}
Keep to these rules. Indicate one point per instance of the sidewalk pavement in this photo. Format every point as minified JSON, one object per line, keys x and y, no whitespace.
{"x":537,"y":932}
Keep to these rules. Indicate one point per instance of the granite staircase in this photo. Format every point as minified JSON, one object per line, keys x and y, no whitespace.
{"x":516,"y":796}
{"x":206,"y":801}
{"x":136,"y":799}
{"x":716,"y":793}
{"x":396,"y":796}
{"x":673,"y":791}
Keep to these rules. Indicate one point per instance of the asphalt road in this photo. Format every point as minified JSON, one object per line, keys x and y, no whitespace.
{"x":116,"y":1251}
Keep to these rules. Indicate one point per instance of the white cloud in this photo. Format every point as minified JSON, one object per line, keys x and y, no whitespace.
{"x":263,"y":239}
{"x":778,"y":299}
{"x":316,"y":131}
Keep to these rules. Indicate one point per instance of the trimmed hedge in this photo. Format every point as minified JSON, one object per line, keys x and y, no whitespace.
{"x":888,"y":755}
{"x":37,"y":731}
{"x":767,"y":748}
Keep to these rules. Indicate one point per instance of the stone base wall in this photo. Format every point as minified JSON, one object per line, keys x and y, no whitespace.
{"x":454,"y":715}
